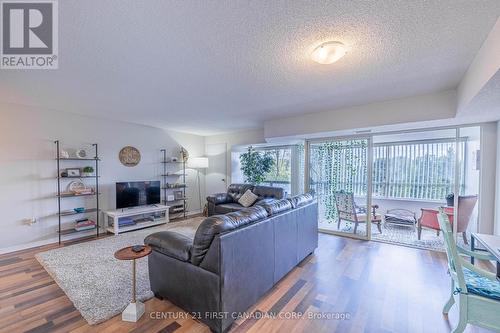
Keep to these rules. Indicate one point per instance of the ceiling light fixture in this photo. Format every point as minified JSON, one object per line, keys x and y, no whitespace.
{"x":328,"y":53}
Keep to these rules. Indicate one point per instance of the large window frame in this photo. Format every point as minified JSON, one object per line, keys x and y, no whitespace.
{"x":294,"y":185}
{"x":434,"y":184}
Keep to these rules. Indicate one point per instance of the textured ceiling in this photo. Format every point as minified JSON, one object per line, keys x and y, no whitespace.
{"x":215,"y":66}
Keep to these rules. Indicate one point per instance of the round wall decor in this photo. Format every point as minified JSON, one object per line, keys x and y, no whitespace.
{"x":129,"y":156}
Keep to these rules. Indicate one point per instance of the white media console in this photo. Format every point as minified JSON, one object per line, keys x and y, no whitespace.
{"x":123,"y":220}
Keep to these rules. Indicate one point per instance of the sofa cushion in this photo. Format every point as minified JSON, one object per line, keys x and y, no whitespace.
{"x":217,"y":224}
{"x":248,"y":199}
{"x":219,"y":198}
{"x":301,"y":200}
{"x":171,"y":243}
{"x":273,"y":206}
{"x":228,"y":208}
{"x":235,"y":191}
{"x":265,"y":201}
{"x":269,"y":192}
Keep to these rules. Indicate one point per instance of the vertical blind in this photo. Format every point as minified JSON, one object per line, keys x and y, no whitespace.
{"x":419,"y":170}
{"x":407,"y":170}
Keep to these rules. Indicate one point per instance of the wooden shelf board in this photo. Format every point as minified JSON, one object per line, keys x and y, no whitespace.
{"x":74,"y":231}
{"x":73,"y":177}
{"x":78,"y":159}
{"x":90,"y":210}
{"x":183,"y":199}
{"x":76,"y":195}
{"x":141,"y":225}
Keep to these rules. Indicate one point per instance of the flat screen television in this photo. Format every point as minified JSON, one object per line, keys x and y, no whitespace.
{"x":133,"y":194}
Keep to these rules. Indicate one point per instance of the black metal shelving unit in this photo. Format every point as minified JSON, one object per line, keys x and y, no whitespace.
{"x":61,"y":195}
{"x":167,"y":186}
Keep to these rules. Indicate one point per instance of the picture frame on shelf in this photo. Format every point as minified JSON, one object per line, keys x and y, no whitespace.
{"x":73,"y":172}
{"x":178,"y":195}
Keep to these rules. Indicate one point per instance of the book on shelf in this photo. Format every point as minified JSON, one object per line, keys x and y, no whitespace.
{"x":125,"y":221}
{"x":88,"y":227}
{"x":85,"y":223}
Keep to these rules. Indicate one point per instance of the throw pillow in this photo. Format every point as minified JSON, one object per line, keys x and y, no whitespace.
{"x":248,"y":199}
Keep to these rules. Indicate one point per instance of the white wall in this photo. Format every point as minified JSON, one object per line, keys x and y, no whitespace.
{"x":489,"y":143}
{"x":497,"y":201}
{"x":235,"y":139}
{"x":485,"y":64}
{"x":28,"y":168}
{"x":413,"y":109}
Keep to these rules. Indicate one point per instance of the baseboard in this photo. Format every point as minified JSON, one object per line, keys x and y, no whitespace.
{"x":47,"y":241}
{"x":27,"y":246}
{"x":53,"y":240}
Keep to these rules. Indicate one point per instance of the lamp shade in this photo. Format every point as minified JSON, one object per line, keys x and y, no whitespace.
{"x":198,"y":163}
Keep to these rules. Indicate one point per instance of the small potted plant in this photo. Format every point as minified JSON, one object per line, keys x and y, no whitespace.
{"x":88,"y":171}
{"x":450,"y":200}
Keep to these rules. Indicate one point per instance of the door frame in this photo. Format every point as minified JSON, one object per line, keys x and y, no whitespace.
{"x":227,"y":160}
{"x":369,"y":170}
{"x":370,"y":166}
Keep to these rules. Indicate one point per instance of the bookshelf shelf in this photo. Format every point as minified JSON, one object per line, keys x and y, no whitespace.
{"x":61,"y":195}
{"x":179,"y":210}
{"x":76,"y":159}
{"x":75,"y":195}
{"x":89,"y":210}
{"x":74,"y":231}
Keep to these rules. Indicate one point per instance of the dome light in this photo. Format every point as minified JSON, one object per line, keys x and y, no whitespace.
{"x":328,"y":53}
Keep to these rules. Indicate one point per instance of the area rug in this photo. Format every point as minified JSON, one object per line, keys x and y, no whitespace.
{"x":99,"y":285}
{"x":399,"y":235}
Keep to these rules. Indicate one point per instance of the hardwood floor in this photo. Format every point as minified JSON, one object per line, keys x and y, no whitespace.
{"x":379,"y":287}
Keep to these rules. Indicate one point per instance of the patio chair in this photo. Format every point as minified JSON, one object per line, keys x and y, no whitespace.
{"x":477,"y":290}
{"x":466,"y":205}
{"x":347,"y":210}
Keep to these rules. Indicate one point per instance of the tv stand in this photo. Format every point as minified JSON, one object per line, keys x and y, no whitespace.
{"x":123,"y":220}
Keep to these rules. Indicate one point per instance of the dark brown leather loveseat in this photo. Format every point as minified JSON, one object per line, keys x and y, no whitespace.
{"x":223,"y":203}
{"x":233,"y":259}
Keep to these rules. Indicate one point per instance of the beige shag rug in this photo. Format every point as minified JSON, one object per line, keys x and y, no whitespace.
{"x":99,"y":285}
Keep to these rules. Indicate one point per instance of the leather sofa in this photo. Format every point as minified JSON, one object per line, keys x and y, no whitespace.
{"x":233,"y":259}
{"x":223,"y":203}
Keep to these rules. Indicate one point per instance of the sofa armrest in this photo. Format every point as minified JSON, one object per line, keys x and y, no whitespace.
{"x":219,"y":198}
{"x":171,"y":243}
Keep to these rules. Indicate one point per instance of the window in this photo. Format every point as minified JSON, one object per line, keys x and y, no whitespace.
{"x":415,"y":170}
{"x":281,"y":173}
{"x":422,"y":170}
{"x":288,"y":168}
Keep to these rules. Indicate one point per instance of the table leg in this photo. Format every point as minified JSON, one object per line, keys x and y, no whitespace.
{"x":472,"y":247}
{"x":135,"y":309}
{"x":133,"y":281}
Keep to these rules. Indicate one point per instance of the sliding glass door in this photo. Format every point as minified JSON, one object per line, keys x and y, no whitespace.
{"x":398,"y":181}
{"x":338,"y":175}
{"x":413,"y":174}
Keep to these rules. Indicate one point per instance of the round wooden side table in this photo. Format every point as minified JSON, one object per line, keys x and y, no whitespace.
{"x":135,"y":309}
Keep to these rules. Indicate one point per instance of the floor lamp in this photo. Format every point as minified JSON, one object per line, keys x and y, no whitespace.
{"x":198,"y":163}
